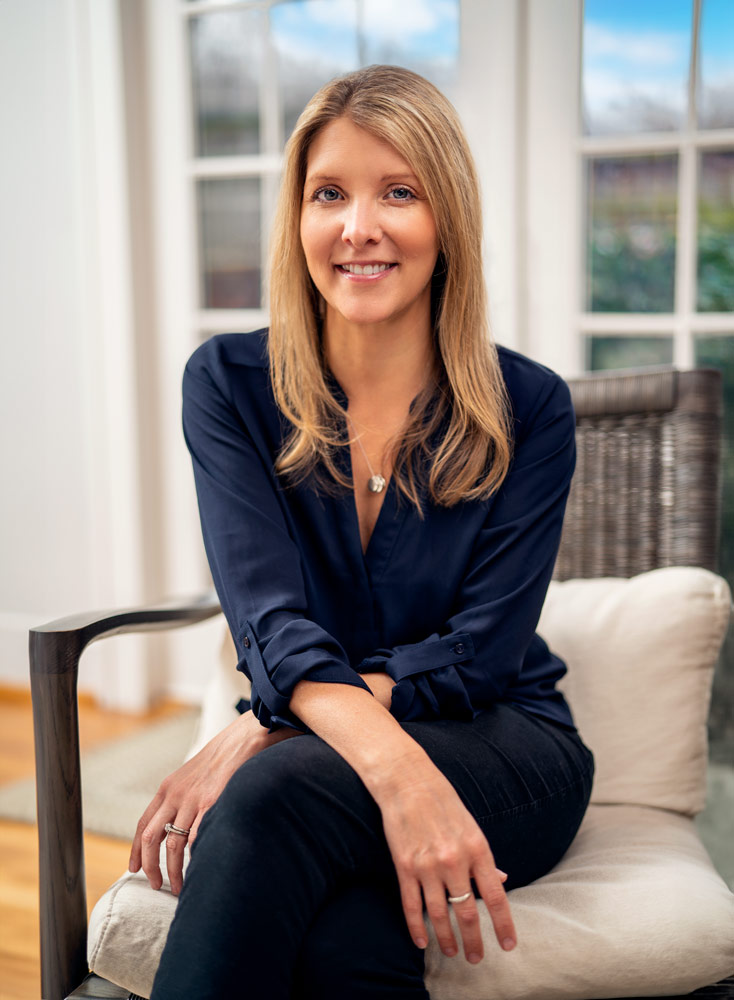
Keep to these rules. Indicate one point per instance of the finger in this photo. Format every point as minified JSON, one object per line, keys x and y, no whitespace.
{"x":175,"y":846}
{"x":495,"y":898}
{"x":434,"y":893}
{"x":136,"y":851}
{"x":467,"y":917}
{"x":410,"y":894}
{"x":203,"y":810}
{"x":151,"y":839}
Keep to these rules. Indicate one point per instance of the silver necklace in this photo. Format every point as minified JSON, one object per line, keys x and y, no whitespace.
{"x":377,"y":482}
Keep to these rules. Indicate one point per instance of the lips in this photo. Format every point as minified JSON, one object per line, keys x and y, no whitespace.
{"x":379,"y":267}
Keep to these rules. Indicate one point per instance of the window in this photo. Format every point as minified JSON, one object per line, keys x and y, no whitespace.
{"x":657,"y":148}
{"x":253,"y":66}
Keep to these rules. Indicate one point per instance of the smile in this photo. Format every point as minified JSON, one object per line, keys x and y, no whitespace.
{"x":365,"y":269}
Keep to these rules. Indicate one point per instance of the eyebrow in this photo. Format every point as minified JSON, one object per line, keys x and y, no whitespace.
{"x":330,"y":178}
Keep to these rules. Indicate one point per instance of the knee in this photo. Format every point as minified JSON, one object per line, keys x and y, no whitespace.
{"x":275,"y":784}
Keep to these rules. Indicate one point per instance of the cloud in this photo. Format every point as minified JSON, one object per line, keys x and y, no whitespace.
{"x":646,"y":49}
{"x":388,"y":21}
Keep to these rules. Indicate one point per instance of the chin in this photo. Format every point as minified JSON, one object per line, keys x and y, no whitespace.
{"x":364,"y":317}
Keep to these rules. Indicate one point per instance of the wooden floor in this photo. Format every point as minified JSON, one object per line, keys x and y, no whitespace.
{"x":106,"y":858}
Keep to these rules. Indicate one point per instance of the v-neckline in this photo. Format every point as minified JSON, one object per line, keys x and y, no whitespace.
{"x":390,"y":516}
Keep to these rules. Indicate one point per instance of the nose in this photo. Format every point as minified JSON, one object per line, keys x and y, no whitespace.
{"x":361,"y":223}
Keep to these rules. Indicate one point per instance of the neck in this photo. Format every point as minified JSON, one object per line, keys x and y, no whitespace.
{"x":381,"y":364}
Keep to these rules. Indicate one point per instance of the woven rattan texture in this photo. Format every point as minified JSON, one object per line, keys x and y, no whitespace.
{"x":646,"y":492}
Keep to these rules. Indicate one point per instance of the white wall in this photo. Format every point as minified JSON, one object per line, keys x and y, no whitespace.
{"x":70,"y":512}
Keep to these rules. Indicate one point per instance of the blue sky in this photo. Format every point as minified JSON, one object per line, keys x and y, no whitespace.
{"x":637,"y":54}
{"x":427,"y":28}
{"x":667,"y":22}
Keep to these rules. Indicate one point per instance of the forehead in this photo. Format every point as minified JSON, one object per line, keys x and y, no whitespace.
{"x":341,"y":145}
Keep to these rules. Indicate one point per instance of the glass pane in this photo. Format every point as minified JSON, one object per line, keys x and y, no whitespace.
{"x":315,"y":41}
{"x":225,"y":68}
{"x":716,"y":65}
{"x":635,"y":65}
{"x":630,"y":233}
{"x":718,"y":352}
{"x":229,"y":234}
{"x":716,"y":232}
{"x":422,"y":35}
{"x":319,"y":39}
{"x":609,"y":352}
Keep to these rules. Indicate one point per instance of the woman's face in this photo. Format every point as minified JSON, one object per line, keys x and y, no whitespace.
{"x":367,"y":230}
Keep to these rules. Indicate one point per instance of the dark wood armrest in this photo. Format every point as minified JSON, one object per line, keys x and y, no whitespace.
{"x":55,"y":649}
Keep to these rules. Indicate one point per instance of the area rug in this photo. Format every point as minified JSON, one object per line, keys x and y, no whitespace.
{"x":118,"y":779}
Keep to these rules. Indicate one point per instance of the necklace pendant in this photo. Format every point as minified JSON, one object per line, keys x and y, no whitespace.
{"x":376,"y":483}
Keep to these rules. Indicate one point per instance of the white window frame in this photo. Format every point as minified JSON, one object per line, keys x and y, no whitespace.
{"x":558,"y":328}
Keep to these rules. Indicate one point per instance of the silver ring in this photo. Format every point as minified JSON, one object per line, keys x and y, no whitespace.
{"x":460,"y":899}
{"x":170,"y":828}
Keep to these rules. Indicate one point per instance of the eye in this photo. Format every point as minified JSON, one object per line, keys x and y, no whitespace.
{"x":402,"y":193}
{"x":326,"y":194}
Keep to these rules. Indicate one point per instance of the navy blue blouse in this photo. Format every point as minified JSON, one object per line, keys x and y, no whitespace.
{"x":447,"y":605}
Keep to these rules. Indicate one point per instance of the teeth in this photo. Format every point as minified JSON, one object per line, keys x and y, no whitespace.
{"x":367,"y":269}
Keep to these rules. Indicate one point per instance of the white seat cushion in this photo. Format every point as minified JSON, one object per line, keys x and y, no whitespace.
{"x":635,"y":908}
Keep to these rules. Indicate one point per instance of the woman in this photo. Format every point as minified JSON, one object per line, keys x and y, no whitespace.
{"x":381,"y":504}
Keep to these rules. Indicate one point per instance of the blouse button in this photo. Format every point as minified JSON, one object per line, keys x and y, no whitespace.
{"x":247,"y":642}
{"x":459,"y":648}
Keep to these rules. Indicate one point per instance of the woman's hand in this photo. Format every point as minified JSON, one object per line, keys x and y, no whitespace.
{"x":437,"y":846}
{"x":185,"y":796}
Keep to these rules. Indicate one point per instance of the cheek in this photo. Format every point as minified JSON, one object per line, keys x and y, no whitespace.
{"x":425,"y":239}
{"x":315,"y":241}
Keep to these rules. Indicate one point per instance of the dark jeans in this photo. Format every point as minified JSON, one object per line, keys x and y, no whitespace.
{"x":291,"y":891}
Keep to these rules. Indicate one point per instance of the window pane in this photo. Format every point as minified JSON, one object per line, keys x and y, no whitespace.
{"x":609,"y":352}
{"x":225,"y":68}
{"x":315,"y":41}
{"x":229,"y":233}
{"x":718,"y":352}
{"x":319,"y":39}
{"x":635,"y":65}
{"x":422,"y":35}
{"x":630,"y":237}
{"x":716,"y":232}
{"x":716,"y":65}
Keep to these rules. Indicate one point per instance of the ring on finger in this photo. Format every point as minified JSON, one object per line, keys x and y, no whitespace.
{"x":172,"y":828}
{"x":460,"y":899}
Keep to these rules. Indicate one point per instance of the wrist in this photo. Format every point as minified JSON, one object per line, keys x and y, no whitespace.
{"x":394,"y":773}
{"x":257,"y":737}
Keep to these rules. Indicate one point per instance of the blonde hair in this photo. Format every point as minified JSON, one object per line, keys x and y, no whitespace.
{"x":457,"y":443}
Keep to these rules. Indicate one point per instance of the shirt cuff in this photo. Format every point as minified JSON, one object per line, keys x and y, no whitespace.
{"x":301,"y":650}
{"x":420,"y":657}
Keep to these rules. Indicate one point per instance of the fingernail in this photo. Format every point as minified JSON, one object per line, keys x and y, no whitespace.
{"x":508,"y":944}
{"x":501,"y":873}
{"x":421,"y":943}
{"x":450,"y":952}
{"x":474,"y":957}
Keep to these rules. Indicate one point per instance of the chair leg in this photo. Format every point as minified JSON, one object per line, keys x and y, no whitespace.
{"x":96,"y":988}
{"x":63,"y":905}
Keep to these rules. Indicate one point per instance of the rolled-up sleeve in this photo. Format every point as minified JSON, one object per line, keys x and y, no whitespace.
{"x":480,"y":651}
{"x":254,"y":562}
